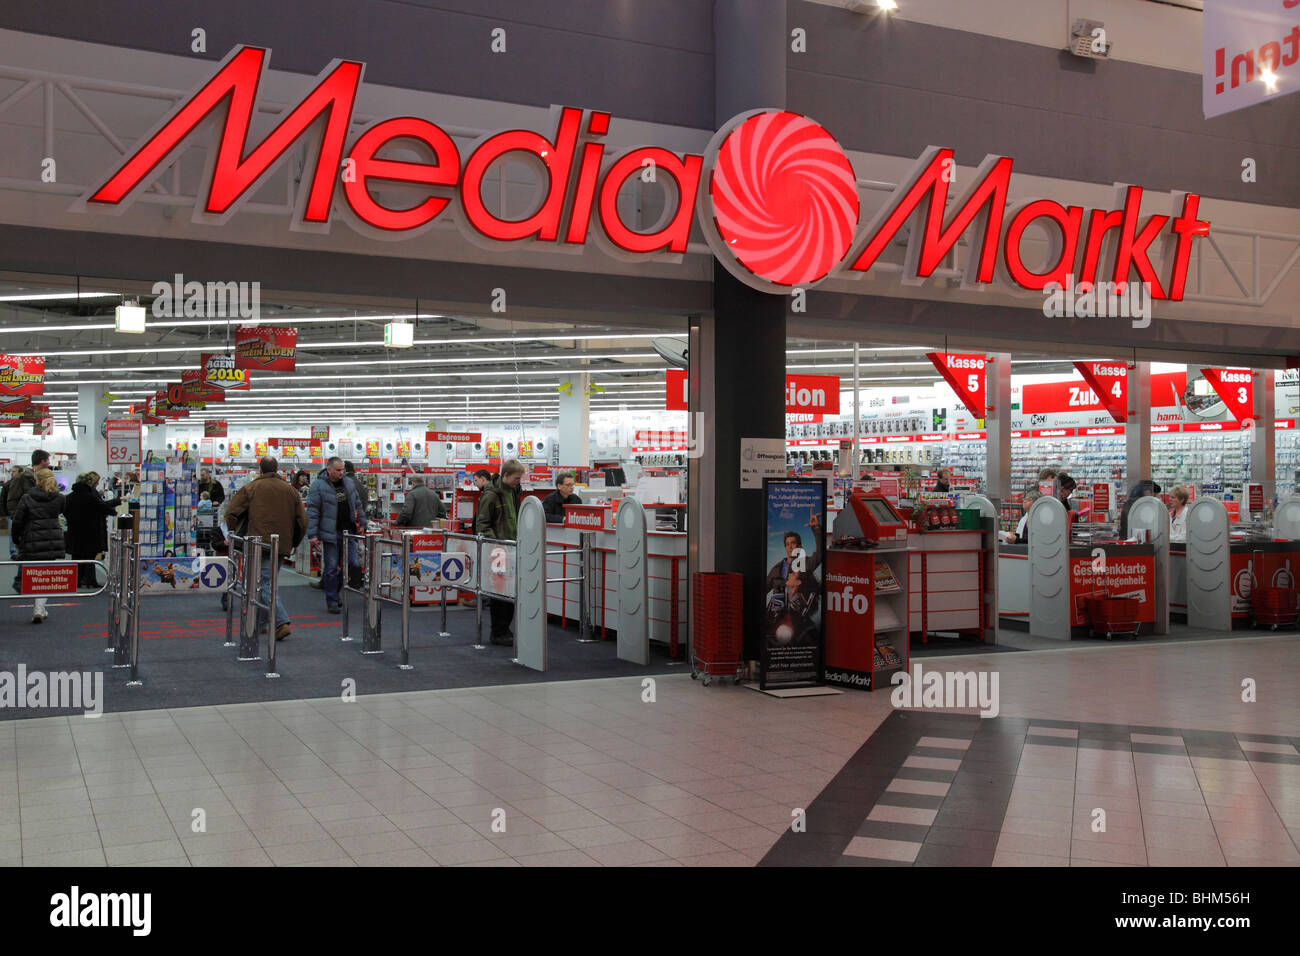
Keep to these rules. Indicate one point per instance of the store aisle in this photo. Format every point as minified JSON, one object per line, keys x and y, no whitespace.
{"x":591,"y":772}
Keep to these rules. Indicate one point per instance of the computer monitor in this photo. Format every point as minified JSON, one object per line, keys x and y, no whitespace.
{"x":614,"y":477}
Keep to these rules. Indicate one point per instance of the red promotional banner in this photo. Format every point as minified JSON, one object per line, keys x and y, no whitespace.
{"x":220,"y":372}
{"x":1109,"y":383}
{"x":22,"y":374}
{"x":966,"y":374}
{"x":1128,"y":576}
{"x":266,"y":348}
{"x":215,"y":428}
{"x":676,"y":398}
{"x":164,"y":407}
{"x":14,"y":403}
{"x":453,"y":436}
{"x":195,"y":389}
{"x":805,"y":395}
{"x":1071,"y":395}
{"x":1236,"y":386}
{"x":812,"y":394}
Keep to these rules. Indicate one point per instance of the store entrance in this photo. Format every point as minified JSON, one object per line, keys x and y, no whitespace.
{"x":428,"y":411}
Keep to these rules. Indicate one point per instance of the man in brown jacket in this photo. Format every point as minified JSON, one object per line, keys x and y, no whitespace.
{"x":273,"y":507}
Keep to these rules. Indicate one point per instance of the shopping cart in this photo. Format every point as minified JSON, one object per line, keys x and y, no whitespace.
{"x":1274,"y":607}
{"x":717,"y":626}
{"x":1113,"y":616}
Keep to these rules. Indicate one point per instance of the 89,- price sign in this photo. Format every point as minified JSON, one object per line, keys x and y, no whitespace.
{"x":123,"y":441}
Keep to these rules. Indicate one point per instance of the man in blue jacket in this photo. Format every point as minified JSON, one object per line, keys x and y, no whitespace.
{"x":333,"y":507}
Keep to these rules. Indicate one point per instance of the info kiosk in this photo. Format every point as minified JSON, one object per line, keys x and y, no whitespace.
{"x":866,"y":593}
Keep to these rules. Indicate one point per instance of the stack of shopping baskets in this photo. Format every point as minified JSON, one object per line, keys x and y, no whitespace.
{"x":717,"y":626}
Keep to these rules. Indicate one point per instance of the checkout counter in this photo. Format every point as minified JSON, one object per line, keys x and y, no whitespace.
{"x":1215,"y":579}
{"x":1218,"y":571}
{"x":1049,"y":582}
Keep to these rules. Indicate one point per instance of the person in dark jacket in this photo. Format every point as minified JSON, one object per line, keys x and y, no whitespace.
{"x":273,"y":507}
{"x":362,"y":491}
{"x":21,"y":483}
{"x":553,"y":504}
{"x":1142,"y":489}
{"x":87,"y":529}
{"x":498,"y":517}
{"x":333,"y":507}
{"x":941,"y":480}
{"x":37,"y":530}
{"x":216,"y":493}
{"x":422,"y":507}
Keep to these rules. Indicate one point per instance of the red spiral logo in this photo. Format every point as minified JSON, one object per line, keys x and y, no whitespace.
{"x":785,"y":199}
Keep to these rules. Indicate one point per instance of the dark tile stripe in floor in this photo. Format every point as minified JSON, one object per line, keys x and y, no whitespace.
{"x":970,"y":813}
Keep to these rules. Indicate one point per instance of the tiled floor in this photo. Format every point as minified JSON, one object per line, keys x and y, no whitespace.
{"x":586,"y":773}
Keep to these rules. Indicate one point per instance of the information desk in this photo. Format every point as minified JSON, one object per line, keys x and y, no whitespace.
{"x":1122,"y":570}
{"x":668,"y":582}
{"x":1251,"y":564}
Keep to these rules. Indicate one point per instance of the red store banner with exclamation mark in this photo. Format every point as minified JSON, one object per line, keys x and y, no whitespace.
{"x":1236,"y":386}
{"x":1250,"y":53}
{"x":966,"y":374}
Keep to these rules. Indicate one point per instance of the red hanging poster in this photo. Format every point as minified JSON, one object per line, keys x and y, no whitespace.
{"x":22,"y":374}
{"x":1109,"y":383}
{"x":220,"y":372}
{"x":1236,"y":386}
{"x":966,"y":374}
{"x":266,"y":348}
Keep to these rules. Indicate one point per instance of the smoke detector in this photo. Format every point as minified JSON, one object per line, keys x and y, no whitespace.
{"x":1088,"y":39}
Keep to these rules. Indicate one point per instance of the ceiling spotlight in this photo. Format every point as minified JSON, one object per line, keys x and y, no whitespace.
{"x":399,"y":335}
{"x":1269,"y":79}
{"x":887,"y":5}
{"x":129,"y":317}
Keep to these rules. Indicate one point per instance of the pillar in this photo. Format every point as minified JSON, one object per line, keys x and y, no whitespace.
{"x":1262,"y":436}
{"x":436,"y":451}
{"x":737,"y":354}
{"x":1137,"y":430}
{"x":997,"y":428}
{"x":92,"y":447}
{"x":575,"y":422}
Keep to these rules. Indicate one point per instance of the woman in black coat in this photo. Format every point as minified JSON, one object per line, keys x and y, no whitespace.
{"x":87,"y":530}
{"x":37,"y":530}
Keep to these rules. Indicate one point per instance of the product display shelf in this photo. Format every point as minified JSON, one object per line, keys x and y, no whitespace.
{"x":889,"y":600}
{"x":167,"y":509}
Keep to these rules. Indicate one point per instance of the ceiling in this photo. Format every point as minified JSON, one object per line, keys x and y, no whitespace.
{"x":464,"y":369}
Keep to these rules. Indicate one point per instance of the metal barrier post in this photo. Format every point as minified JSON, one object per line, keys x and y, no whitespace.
{"x":406,"y":603}
{"x":442,"y":630}
{"x":134,"y":553}
{"x":272,"y":595}
{"x":128,"y":603}
{"x":114,"y":590}
{"x":478,"y":595}
{"x":248,"y":616}
{"x":371,"y":629}
{"x":345,"y":576}
{"x":584,"y":591}
{"x":236,"y":590}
